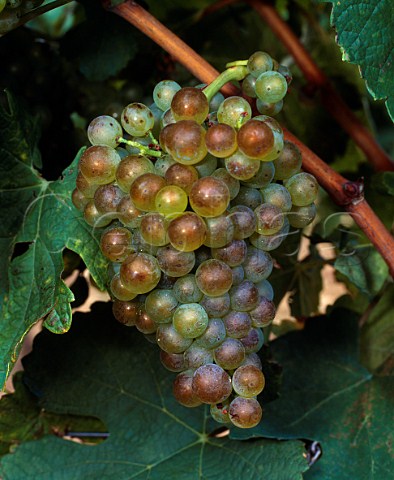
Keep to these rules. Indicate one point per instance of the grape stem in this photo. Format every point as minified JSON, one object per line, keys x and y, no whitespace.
{"x":142,"y":148}
{"x":236,"y":72}
{"x":152,"y":137}
{"x":237,"y":63}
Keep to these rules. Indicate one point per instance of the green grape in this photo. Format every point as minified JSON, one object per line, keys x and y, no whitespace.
{"x":270,"y":242}
{"x":244,"y":297}
{"x":85,"y":187}
{"x":248,"y":86}
{"x":258,"y":265}
{"x":190,"y":103}
{"x":104,"y":130}
{"x":277,"y":195}
{"x":231,"y":182}
{"x":247,"y":197}
{"x":244,"y":220}
{"x":164,"y":92}
{"x":94,"y":218}
{"x":276,"y":149}
{"x":255,"y":139}
{"x":187,"y":232}
{"x":241,"y":166}
{"x":265,"y":289}
{"x":186,"y":290}
{"x":115,"y":244}
{"x":270,"y":109}
{"x":303,"y":188}
{"x":183,"y":391}
{"x":182,"y":176}
{"x":107,"y":198}
{"x":300,"y":217}
{"x":238,"y":275}
{"x":119,"y":289}
{"x":271,"y":122}
{"x":206,"y":166}
{"x":175,"y":263}
{"x":174,"y":362}
{"x":232,"y":109}
{"x":171,"y":200}
{"x":264,"y":313}
{"x":219,"y":412}
{"x":229,"y":354}
{"x":163,"y":164}
{"x":170,"y":340}
{"x":269,"y":218}
{"x":258,"y":63}
{"x":98,"y":164}
{"x":79,"y":200}
{"x":263,"y":177}
{"x":285,"y":71}
{"x":211,"y":384}
{"x":144,"y":323}
{"x":289,"y":161}
{"x":245,"y":412}
{"x":154,"y":229}
{"x":160,"y":305}
{"x":253,"y":341}
{"x":184,"y":141}
{"x":144,"y":189}
{"x":190,"y":320}
{"x":167,"y":118}
{"x":195,"y":356}
{"x":140,"y":245}
{"x":122,"y":152}
{"x":130,"y":168}
{"x":216,"y":307}
{"x":214,"y":334}
{"x":221,"y":140}
{"x":252,"y":359}
{"x":220,"y":231}
{"x":271,"y":87}
{"x":137,"y":119}
{"x":128,"y":214}
{"x":237,"y":324}
{"x":217,"y":99}
{"x":126,"y":312}
{"x":140,"y":272}
{"x":214,"y":278}
{"x":157,"y":113}
{"x":248,"y":381}
{"x":233,"y":254}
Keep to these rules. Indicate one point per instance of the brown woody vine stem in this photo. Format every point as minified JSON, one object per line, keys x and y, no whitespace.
{"x":341,"y":191}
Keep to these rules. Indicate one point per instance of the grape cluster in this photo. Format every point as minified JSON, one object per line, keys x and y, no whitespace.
{"x":191,"y":220}
{"x":12,"y":10}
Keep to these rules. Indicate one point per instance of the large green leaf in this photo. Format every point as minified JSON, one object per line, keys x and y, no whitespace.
{"x":328,"y":396}
{"x":40,"y":216}
{"x":109,"y":371}
{"x":366,"y":36}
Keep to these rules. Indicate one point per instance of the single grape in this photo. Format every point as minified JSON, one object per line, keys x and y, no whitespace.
{"x":119,"y":290}
{"x":187,"y":232}
{"x":154,"y":229}
{"x":264,"y":313}
{"x":190,"y":103}
{"x":175,"y":263}
{"x":265,"y":289}
{"x":190,"y":320}
{"x":238,"y":275}
{"x":183,"y":390}
{"x":270,"y":242}
{"x":237,"y":324}
{"x":126,"y":312}
{"x":247,"y":197}
{"x":229,"y":354}
{"x":244,"y":297}
{"x":263,"y":177}
{"x":232,"y":109}
{"x":248,"y":381}
{"x":115,"y":244}
{"x":137,"y":119}
{"x":167,"y":118}
{"x":271,"y":87}
{"x":245,"y":412}
{"x":248,"y":85}
{"x":289,"y":161}
{"x":163,"y":163}
{"x":144,"y":323}
{"x":221,"y":140}
{"x":174,"y":362}
{"x":244,"y":221}
{"x":241,"y":166}
{"x":216,"y":307}
{"x":214,"y":278}
{"x":160,"y":305}
{"x":171,"y":200}
{"x":214,"y":334}
{"x":211,"y":384}
{"x":303,"y":188}
{"x":232,"y":254}
{"x":257,"y":265}
{"x":186,"y":290}
{"x":157,"y":113}
{"x":170,"y":340}
{"x":220,"y":231}
{"x":79,"y":200}
{"x":144,"y":189}
{"x":94,"y":218}
{"x":300,"y":217}
{"x":231,"y":182}
{"x":104,"y":130}
{"x":252,"y":359}
{"x":207,"y":166}
{"x":269,"y":218}
{"x":219,"y":412}
{"x":164,"y":92}
{"x":255,"y":139}
{"x":140,"y":272}
{"x":182,"y":176}
{"x":258,"y":63}
{"x":128,"y":214}
{"x":217,"y":99}
{"x":277,"y":195}
{"x":270,"y":109}
{"x":209,"y":197}
{"x":285,"y":71}
{"x":131,"y":167}
{"x":195,"y":356}
{"x":140,"y":245}
{"x":253,"y":341}
{"x":107,"y":198}
{"x":98,"y":164}
{"x":85,"y":187}
{"x":184,"y":141}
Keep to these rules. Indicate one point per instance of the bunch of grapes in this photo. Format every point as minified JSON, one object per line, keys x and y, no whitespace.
{"x":191,"y":219}
{"x":12,"y":10}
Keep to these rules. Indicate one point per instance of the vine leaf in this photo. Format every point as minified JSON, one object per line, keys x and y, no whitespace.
{"x":38,"y":218}
{"x":366,"y":37}
{"x":106,"y":370}
{"x":329,"y":397}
